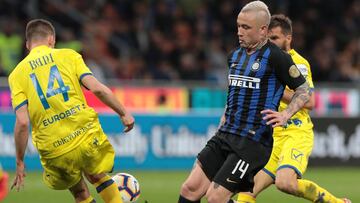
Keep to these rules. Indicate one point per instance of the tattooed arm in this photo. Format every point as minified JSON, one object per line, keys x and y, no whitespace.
{"x":301,"y":96}
{"x":288,"y":95}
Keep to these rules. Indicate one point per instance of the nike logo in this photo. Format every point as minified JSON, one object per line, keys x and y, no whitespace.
{"x":230,"y":181}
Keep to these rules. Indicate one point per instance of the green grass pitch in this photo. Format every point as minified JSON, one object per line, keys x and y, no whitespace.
{"x":163,"y":187}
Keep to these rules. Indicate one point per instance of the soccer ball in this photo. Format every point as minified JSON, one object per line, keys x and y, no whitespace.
{"x":128,"y":186}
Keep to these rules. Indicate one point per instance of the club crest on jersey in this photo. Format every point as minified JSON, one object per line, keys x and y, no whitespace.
{"x":255,"y":66}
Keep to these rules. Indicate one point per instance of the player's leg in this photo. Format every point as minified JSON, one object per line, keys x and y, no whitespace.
{"x":208,"y":162}
{"x":292,"y":165}
{"x":195,"y":186}
{"x":64,"y":172}
{"x":218,"y":194}
{"x":286,"y":181}
{"x":238,"y":171}
{"x":81,"y":193}
{"x":106,"y":187}
{"x":98,"y":159}
{"x":265,"y":177}
{"x":262,"y":180}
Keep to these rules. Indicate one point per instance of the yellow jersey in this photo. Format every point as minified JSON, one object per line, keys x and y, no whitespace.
{"x":302,"y":117}
{"x":49,"y":81}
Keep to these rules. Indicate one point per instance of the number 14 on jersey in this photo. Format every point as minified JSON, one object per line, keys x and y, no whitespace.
{"x":54,"y":75}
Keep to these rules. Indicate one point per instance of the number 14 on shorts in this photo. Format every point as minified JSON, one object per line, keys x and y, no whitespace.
{"x":241,"y":166}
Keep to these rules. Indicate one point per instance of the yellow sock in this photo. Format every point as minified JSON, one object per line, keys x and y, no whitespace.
{"x":311,"y":191}
{"x":89,"y":200}
{"x":108,"y":190}
{"x":245,"y":198}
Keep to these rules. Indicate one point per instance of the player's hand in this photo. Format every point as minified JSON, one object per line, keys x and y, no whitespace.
{"x":19,"y":176}
{"x":275,"y":118}
{"x":128,"y":121}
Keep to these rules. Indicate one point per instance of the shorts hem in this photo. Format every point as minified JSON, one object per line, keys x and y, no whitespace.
{"x":202,"y":168}
{"x":269,"y":173}
{"x":297,"y":171}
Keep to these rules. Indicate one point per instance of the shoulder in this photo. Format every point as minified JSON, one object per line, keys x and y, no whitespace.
{"x":275,"y":50}
{"x":67,"y":52}
{"x":277,"y":54}
{"x":233,"y":52}
{"x":301,"y":63}
{"x":298,"y":59}
{"x":18,"y":71}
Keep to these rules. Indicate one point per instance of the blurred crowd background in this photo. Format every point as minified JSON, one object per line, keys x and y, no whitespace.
{"x":177,"y":40}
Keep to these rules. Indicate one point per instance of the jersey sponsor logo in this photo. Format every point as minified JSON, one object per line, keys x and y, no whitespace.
{"x":294,"y":72}
{"x":69,"y":112}
{"x":244,"y":81}
{"x":72,"y":135}
{"x":295,"y":121}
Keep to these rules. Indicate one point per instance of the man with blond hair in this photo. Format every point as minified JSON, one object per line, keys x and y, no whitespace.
{"x":293,"y":142}
{"x":258,"y":74}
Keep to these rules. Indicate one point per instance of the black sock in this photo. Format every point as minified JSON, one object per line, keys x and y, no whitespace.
{"x":184,"y":200}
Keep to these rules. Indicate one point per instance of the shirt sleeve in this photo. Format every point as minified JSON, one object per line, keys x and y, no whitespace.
{"x":285,"y":69}
{"x":81,"y":69}
{"x":307,"y":74}
{"x":18,"y":96}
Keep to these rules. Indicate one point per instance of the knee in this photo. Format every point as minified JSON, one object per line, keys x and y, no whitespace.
{"x":285,"y":185}
{"x":189,"y":190}
{"x":213,"y":197}
{"x":81,"y":194}
{"x":94,"y":178}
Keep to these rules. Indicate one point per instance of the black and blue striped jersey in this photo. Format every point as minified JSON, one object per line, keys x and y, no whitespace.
{"x":256,"y":83}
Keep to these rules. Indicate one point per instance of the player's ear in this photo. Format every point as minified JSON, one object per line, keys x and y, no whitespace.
{"x":288,"y":38}
{"x":27,"y":45}
{"x":264,"y":30}
{"x":51,"y":41}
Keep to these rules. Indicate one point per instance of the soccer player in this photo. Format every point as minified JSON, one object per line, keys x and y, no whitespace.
{"x":46,"y":87}
{"x":258,"y":74}
{"x":293,"y":142}
{"x":3,"y":184}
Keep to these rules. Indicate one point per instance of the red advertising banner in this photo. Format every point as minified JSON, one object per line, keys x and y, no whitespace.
{"x":145,"y":99}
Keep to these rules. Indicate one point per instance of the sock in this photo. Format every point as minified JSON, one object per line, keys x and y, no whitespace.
{"x":184,"y":200}
{"x":245,"y":198}
{"x":108,"y":190}
{"x":89,"y":200}
{"x":311,"y":191}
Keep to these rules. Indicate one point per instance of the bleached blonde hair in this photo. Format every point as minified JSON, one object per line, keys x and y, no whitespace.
{"x":260,"y":8}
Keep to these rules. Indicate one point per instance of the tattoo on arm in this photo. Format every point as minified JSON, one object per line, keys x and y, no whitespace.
{"x":301,"y":96}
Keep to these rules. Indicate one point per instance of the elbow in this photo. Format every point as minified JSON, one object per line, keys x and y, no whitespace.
{"x":98,"y":91}
{"x":310,"y":105}
{"x":22,"y":124}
